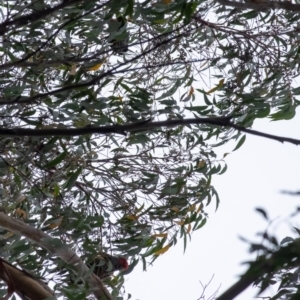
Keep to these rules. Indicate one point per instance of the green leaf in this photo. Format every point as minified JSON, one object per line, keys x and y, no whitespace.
{"x":56,"y":160}
{"x":129,"y":10}
{"x":72,"y":179}
{"x":240,"y":142}
{"x":203,"y":222}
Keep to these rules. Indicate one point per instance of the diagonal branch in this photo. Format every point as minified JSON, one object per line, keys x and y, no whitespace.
{"x":35,"y":16}
{"x":286,"y":257}
{"x":114,"y":70}
{"x":57,"y":248}
{"x":23,"y":283}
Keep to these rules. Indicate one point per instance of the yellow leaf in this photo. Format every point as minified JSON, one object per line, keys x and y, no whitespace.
{"x":225,"y":154}
{"x":21,"y":213}
{"x":162,"y":250}
{"x":175,"y":208}
{"x":56,"y":190}
{"x":120,"y":98}
{"x":179,"y":222}
{"x":96,"y":67}
{"x":189,"y":228}
{"x":191,"y":92}
{"x":218,"y":86}
{"x":132,"y":217}
{"x":166,"y":1}
{"x":55,"y":223}
{"x":163,"y":235}
{"x":212,"y":90}
{"x":7,"y":235}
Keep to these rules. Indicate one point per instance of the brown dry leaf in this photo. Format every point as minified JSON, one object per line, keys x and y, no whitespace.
{"x":200,"y":208}
{"x":162,"y":250}
{"x":132,"y":217}
{"x":188,"y":230}
{"x":201,"y":163}
{"x":191,"y":92}
{"x":175,"y":208}
{"x":192,"y":207}
{"x":21,"y":213}
{"x":55,"y":223}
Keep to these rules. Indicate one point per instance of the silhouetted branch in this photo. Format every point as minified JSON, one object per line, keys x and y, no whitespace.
{"x":285,"y":257}
{"x":140,"y":126}
{"x":35,"y":16}
{"x":262,"y":5}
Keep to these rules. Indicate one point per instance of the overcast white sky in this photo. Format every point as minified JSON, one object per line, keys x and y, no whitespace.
{"x":256,"y":174}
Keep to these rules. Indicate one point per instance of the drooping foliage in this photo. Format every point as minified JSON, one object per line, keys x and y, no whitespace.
{"x":276,"y":265}
{"x":74,"y":64}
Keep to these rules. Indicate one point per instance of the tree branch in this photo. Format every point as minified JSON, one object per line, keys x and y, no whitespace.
{"x":141,"y":126}
{"x":22,"y":283}
{"x":262,"y":5}
{"x":95,"y":80}
{"x":286,"y":257}
{"x":37,"y":15}
{"x":57,"y":248}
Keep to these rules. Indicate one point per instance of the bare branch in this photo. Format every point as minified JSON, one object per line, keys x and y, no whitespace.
{"x":141,"y":126}
{"x":262,"y":5}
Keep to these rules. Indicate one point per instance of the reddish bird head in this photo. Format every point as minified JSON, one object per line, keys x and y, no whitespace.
{"x":123,"y":263}
{"x":106,"y":264}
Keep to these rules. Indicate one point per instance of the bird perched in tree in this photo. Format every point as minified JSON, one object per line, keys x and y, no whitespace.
{"x":105,"y":264}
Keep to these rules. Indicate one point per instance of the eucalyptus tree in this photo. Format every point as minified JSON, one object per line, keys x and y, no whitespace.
{"x":74,"y":66}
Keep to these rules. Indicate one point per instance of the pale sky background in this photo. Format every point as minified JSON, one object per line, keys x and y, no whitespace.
{"x":256,"y":174}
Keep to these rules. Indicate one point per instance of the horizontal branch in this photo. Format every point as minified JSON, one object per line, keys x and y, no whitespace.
{"x":141,"y":126}
{"x":57,"y":248}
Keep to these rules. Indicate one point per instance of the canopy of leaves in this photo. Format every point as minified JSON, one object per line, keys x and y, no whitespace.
{"x":73,"y":64}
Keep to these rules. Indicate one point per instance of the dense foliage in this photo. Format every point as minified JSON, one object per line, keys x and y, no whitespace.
{"x":75,"y":64}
